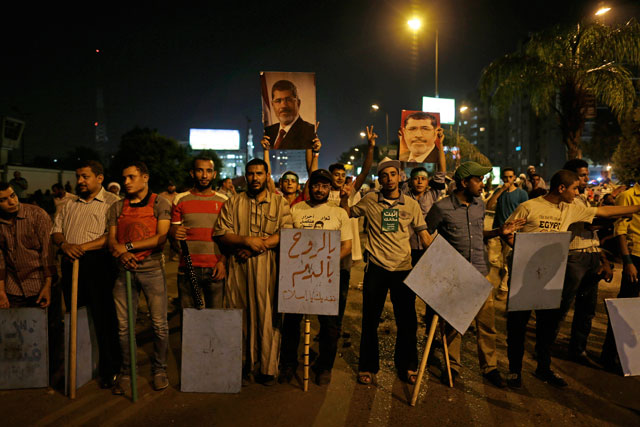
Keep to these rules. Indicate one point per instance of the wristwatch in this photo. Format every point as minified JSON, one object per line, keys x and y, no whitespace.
{"x":128,"y":246}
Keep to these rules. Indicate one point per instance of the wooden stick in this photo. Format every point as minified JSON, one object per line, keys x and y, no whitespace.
{"x":307,"y":333}
{"x":423,"y":362}
{"x":73,"y":330}
{"x":132,"y":339}
{"x":446,"y":354}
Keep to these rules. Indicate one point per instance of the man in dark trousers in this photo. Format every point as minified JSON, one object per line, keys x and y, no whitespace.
{"x":79,"y":232}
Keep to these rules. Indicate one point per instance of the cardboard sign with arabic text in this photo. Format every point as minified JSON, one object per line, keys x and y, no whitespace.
{"x":309,"y":271}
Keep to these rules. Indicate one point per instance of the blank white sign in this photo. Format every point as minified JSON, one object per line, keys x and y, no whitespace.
{"x":449,"y":284}
{"x":537,"y":271}
{"x":309,"y":271}
{"x":624,"y":314}
{"x":211,"y":351}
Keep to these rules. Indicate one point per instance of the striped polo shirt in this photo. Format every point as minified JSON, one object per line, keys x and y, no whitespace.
{"x":199,"y":212}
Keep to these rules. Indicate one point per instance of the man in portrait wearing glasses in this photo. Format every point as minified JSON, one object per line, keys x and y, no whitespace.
{"x":420,"y":131}
{"x":292,"y":133}
{"x":316,"y":213}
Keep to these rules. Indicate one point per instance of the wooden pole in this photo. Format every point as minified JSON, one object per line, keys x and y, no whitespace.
{"x":307,"y":333}
{"x":446,"y":354}
{"x":425,"y":356}
{"x":73,"y":330}
{"x":132,"y":339}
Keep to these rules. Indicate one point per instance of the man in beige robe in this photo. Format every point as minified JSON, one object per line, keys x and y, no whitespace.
{"x":249,"y":227}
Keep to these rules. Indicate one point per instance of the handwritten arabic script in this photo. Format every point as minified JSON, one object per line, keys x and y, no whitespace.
{"x":309,"y":271}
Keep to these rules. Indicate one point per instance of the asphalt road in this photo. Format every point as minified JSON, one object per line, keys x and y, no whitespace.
{"x":593,"y":397}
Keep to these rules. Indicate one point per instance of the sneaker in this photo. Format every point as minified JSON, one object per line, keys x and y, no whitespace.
{"x":514,"y":380}
{"x":286,"y":375}
{"x":494,"y":378}
{"x":123,"y":383}
{"x":160,"y":381}
{"x":323,"y":377}
{"x":551,"y":378}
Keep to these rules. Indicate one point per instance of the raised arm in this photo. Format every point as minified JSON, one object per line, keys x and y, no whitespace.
{"x":266,"y":146}
{"x":368,"y":161}
{"x":614,"y":211}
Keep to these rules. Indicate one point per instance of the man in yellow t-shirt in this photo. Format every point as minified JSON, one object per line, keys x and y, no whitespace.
{"x":554,"y":212}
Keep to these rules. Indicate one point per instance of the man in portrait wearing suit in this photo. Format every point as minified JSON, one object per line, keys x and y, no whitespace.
{"x":292,"y":133}
{"x":420,"y":131}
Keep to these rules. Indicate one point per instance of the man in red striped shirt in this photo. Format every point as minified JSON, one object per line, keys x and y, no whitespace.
{"x":192,"y":219}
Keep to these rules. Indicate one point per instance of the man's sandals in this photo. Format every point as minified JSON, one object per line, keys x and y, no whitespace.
{"x":409,"y":377}
{"x":366,"y":378}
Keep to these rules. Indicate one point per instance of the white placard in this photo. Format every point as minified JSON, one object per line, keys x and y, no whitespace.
{"x":86,"y":349}
{"x":624,"y":314}
{"x":309,"y":271}
{"x":537,"y":271}
{"x":24,"y":354}
{"x":449,"y":284}
{"x":211,"y":351}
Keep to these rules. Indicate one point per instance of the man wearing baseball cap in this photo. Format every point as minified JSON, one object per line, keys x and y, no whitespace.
{"x":459,"y":218}
{"x":390,"y":215}
{"x":316,"y":213}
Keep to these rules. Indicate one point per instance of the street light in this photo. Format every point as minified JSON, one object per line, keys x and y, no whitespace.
{"x":463,"y":108}
{"x":602,"y":10}
{"x":415,"y":24}
{"x":362,"y":134}
{"x":376,"y":107}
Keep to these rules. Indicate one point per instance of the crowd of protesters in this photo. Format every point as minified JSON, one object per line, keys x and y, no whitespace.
{"x":232,"y":237}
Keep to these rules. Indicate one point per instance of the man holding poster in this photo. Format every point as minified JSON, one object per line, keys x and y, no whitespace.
{"x":316,"y":213}
{"x":420,"y":137}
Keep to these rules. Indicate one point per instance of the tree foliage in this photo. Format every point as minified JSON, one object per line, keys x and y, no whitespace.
{"x":626,"y":158}
{"x":563,"y":70}
{"x":166,"y":159}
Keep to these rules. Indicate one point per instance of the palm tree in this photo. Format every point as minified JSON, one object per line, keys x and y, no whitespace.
{"x":562,"y":70}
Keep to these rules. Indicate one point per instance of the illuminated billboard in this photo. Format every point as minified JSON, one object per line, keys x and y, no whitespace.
{"x":445,"y":106}
{"x":214,"y":139}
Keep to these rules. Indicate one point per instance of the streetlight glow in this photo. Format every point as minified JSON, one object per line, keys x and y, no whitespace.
{"x":362,"y":134}
{"x":602,"y":11}
{"x":463,"y":108}
{"x":375,"y":107}
{"x":414,"y":23}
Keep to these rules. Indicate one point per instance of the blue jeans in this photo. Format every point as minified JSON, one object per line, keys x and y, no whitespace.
{"x":154,"y":286}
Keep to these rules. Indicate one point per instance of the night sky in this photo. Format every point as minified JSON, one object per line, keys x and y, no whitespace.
{"x":179,"y":68}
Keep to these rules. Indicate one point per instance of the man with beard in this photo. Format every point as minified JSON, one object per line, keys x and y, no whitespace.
{"x":79,"y":232}
{"x":420,"y":131}
{"x":459,"y":218}
{"x":249,"y":225}
{"x":388,"y":254}
{"x":316,"y":213}
{"x":292,"y":133}
{"x":193,"y":216}
{"x":138,"y":227}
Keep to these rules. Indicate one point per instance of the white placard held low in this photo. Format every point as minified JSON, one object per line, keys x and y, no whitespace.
{"x":309,"y":271}
{"x":24,"y":348}
{"x":211,"y":351}
{"x":624,"y":314}
{"x":87,"y":349}
{"x":537,"y":271}
{"x":449,"y":284}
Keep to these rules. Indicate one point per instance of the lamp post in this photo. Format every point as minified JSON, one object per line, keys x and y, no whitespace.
{"x":376,"y":107}
{"x":415,"y":24}
{"x":463,"y":109}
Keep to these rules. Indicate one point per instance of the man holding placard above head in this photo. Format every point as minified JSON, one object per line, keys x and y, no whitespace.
{"x":249,"y":225}
{"x":390,"y":215}
{"x":553,"y":212}
{"x":316,"y":213}
{"x":459,"y":218}
{"x":420,"y":137}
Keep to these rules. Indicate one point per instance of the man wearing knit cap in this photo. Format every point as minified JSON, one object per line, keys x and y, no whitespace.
{"x":459,"y":218}
{"x":390,"y":215}
{"x":316,"y":213}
